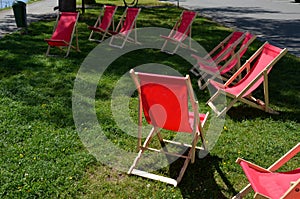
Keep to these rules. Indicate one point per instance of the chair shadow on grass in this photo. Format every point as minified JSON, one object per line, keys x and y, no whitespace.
{"x":244,"y":112}
{"x":199,"y":179}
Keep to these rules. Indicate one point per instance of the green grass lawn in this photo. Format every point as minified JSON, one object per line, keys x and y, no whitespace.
{"x":41,"y":154}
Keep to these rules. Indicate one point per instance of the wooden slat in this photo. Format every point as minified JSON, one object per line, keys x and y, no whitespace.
{"x":182,"y":144}
{"x":154,"y":177}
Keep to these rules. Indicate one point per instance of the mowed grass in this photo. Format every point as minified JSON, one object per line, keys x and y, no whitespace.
{"x":42,"y":156}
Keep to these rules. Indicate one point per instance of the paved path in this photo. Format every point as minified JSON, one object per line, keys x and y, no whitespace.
{"x":35,"y":11}
{"x":276,"y":21}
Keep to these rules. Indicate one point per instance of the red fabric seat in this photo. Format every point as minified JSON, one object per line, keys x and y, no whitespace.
{"x":181,"y":30}
{"x":223,"y":60}
{"x":64,"y":30}
{"x":126,"y":25}
{"x":164,"y":101}
{"x":257,"y":69}
{"x":268,"y":183}
{"x":103,"y":24}
{"x":271,"y":184}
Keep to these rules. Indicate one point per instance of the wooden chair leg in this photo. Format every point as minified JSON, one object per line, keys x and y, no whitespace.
{"x":183,"y":169}
{"x":91,"y":35}
{"x":146,"y":143}
{"x":243,"y":192}
{"x":77,"y":45}
{"x":48,"y":50}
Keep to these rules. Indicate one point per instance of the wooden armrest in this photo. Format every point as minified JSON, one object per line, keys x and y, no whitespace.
{"x":292,"y":183}
{"x":237,"y":73}
{"x":285,"y":158}
{"x":293,"y":191}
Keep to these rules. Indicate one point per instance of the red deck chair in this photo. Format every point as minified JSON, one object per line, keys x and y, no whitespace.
{"x":181,"y":30}
{"x":221,"y":52}
{"x":126,"y":25}
{"x":164,"y":102}
{"x":222,"y":70}
{"x":264,"y":59}
{"x":103,"y":24}
{"x":63,"y":32}
{"x":269,"y":184}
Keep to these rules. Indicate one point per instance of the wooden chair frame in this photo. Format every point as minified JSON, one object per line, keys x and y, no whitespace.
{"x":197,"y":132}
{"x":250,"y":100}
{"x":179,"y":42}
{"x":67,"y":44}
{"x":290,"y":193}
{"x":97,"y":29}
{"x":220,"y":53}
{"x":125,"y":36}
{"x":203,"y":73}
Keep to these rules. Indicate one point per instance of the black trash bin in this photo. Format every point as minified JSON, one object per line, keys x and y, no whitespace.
{"x":67,"y":5}
{"x":19,"y":8}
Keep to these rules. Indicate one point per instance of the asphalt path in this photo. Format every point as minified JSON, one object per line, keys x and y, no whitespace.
{"x":35,"y":11}
{"x":276,"y":21}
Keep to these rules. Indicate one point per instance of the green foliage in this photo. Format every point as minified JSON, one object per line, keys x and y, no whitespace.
{"x":41,"y":152}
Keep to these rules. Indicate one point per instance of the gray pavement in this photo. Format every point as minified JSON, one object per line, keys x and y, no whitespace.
{"x":35,"y":11}
{"x":276,"y":21}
